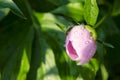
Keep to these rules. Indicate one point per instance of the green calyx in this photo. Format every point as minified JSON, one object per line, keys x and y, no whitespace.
{"x":92,"y":31}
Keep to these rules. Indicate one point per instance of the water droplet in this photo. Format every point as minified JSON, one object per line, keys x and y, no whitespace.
{"x":86,"y":42}
{"x":75,"y":32}
{"x":90,"y":40}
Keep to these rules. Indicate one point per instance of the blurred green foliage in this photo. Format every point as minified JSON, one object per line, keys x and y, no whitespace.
{"x":32,"y":38}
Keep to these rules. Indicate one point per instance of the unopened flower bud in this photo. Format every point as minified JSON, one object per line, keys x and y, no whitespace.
{"x":80,"y":43}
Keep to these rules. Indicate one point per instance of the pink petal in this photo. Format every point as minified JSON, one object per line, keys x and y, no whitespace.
{"x":80,"y":45}
{"x":72,"y":53}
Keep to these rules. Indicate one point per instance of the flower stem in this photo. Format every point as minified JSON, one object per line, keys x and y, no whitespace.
{"x":100,"y":21}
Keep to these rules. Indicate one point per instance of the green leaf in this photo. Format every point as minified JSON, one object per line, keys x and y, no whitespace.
{"x":71,"y":10}
{"x":113,"y":53}
{"x":55,"y":21}
{"x":37,"y":56}
{"x":91,"y":12}
{"x":110,"y":27}
{"x":51,"y":4}
{"x":26,"y":58}
{"x":24,"y":68}
{"x":89,"y":68}
{"x":14,"y":33}
{"x":3,"y":12}
{"x":48,"y":70}
{"x":13,"y":36}
{"x":10,"y":4}
{"x":104,"y":72}
{"x":10,"y":70}
{"x":74,"y":1}
{"x":116,"y":8}
{"x":60,"y":59}
{"x":63,"y":23}
{"x":108,"y":45}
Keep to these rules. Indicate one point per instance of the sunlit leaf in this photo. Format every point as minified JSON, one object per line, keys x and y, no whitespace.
{"x":24,"y":67}
{"x":11,"y":5}
{"x":59,"y":56}
{"x":3,"y":13}
{"x":71,"y":10}
{"x":91,"y":12}
{"x":104,"y":72}
{"x":11,"y":45}
{"x":37,"y":56}
{"x":48,"y":70}
{"x":48,"y":19}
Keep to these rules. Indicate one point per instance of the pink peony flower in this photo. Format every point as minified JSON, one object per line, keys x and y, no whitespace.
{"x":80,"y":44}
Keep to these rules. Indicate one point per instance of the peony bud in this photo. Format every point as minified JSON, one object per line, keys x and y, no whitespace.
{"x":80,"y":43}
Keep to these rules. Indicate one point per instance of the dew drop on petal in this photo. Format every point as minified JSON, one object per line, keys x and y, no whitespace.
{"x":86,"y":42}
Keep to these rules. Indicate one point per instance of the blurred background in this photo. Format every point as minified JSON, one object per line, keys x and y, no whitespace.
{"x":32,"y":39}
